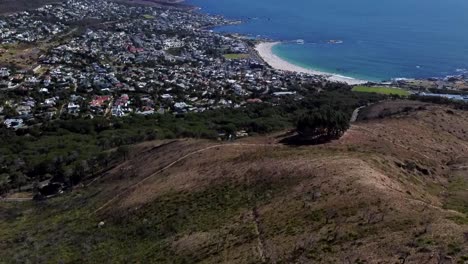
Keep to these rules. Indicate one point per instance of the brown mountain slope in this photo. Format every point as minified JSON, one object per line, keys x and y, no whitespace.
{"x":392,"y":190}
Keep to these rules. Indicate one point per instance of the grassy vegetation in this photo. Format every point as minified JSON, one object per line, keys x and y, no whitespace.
{"x":60,"y":149}
{"x":25,"y":55}
{"x":21,"y":55}
{"x":300,"y":211}
{"x":235,"y":56}
{"x":25,"y":225}
{"x":177,"y":227}
{"x":64,"y":229}
{"x":457,"y":198}
{"x":381,"y":90}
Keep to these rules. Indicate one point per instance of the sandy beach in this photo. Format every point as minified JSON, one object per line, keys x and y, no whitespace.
{"x":264,"y":49}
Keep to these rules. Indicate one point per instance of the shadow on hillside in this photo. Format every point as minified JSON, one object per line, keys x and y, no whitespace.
{"x":294,"y":139}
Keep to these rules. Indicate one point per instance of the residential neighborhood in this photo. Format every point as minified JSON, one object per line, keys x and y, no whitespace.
{"x":131,"y":60}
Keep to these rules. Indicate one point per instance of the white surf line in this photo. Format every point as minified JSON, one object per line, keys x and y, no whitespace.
{"x":264,"y":50}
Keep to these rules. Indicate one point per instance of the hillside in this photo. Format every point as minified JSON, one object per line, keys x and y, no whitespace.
{"x":391,"y":190}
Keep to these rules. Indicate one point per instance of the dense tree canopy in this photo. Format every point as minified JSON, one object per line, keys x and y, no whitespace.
{"x":323,"y":124}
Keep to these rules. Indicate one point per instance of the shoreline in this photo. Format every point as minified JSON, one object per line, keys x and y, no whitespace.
{"x":265,"y":51}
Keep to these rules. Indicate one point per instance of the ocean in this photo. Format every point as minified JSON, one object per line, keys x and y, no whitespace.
{"x":364,"y":39}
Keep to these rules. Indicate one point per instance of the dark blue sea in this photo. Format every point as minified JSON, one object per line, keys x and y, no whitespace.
{"x":374,"y":40}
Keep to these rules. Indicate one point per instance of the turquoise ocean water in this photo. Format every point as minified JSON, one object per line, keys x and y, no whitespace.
{"x":381,"y":39}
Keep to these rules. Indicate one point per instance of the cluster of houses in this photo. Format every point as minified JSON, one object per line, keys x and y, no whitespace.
{"x":26,"y":27}
{"x":49,"y":20}
{"x":138,"y":60}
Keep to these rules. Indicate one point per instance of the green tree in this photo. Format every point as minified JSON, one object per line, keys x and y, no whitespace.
{"x":68,"y":176}
{"x":323,"y":124}
{"x":103,"y":158}
{"x":36,"y":187}
{"x":9,"y":111}
{"x":81,"y":169}
{"x":18,"y":179}
{"x":4,"y":183}
{"x":123,"y":152}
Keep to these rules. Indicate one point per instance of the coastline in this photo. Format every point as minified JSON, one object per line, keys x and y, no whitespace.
{"x":265,"y":51}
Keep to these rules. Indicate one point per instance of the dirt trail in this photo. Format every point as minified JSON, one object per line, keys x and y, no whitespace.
{"x":355,"y":114}
{"x":179,"y":160}
{"x":260,"y":247}
{"x":15,"y":199}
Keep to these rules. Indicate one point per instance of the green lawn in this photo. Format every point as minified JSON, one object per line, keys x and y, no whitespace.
{"x":235,"y":56}
{"x":381,"y":90}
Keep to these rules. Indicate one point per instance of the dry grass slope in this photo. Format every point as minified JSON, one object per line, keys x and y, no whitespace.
{"x":391,"y":190}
